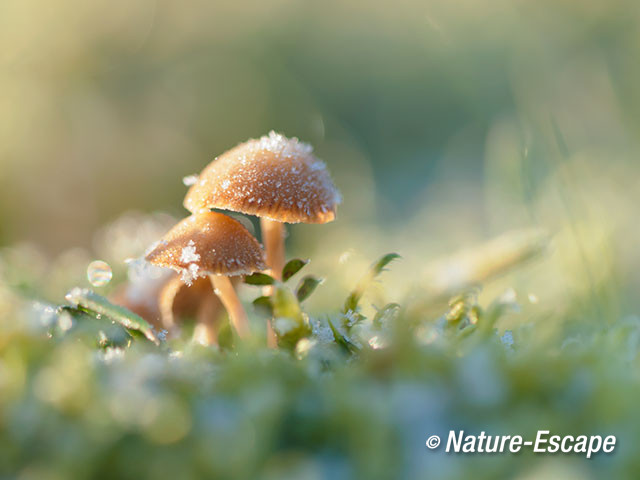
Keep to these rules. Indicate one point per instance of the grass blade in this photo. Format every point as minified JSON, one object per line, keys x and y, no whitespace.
{"x":351,"y":304}
{"x":88,"y":300}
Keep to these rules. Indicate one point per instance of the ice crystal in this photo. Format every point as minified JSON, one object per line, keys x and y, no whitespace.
{"x":321,"y":330}
{"x":507,"y":339}
{"x":189,"y":254}
{"x":190,"y":273}
{"x":190,"y":180}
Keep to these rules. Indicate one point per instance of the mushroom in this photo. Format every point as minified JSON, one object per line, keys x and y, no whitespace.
{"x":177,"y":300}
{"x":167,"y":301}
{"x":274,"y":178}
{"x":214,"y":245}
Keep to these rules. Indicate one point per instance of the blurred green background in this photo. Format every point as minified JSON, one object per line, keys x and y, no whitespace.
{"x":445,"y":125}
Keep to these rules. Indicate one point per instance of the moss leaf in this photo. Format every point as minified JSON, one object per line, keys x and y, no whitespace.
{"x":259,"y":279}
{"x":306,"y":287}
{"x":292,"y":267}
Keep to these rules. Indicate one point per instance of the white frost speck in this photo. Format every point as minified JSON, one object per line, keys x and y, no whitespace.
{"x":189,"y":254}
{"x":282,"y":145}
{"x":507,"y":339}
{"x":321,"y":330}
{"x":112,"y":354}
{"x":65,"y":322}
{"x":75,"y":294}
{"x":189,"y":274}
{"x":351,"y":317}
{"x":190,"y":180}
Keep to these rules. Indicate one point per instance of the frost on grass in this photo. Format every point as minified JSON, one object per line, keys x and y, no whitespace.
{"x":273,"y":176}
{"x":321,"y":330}
{"x":100,"y":306}
{"x":507,"y":339}
{"x":351,"y":318}
{"x":162,"y":334}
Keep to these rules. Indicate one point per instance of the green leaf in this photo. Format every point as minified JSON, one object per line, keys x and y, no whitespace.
{"x":263,"y":305}
{"x":306,"y":287}
{"x":351,"y":304}
{"x":87,"y":327}
{"x":259,"y":279}
{"x":87,"y":300}
{"x":292,"y":267}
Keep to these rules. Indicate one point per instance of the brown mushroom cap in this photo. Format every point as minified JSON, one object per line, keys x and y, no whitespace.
{"x":208,"y":243}
{"x":272,"y":177}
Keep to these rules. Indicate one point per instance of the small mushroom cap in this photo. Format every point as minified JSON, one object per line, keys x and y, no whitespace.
{"x":272,"y":177}
{"x":208,"y":243}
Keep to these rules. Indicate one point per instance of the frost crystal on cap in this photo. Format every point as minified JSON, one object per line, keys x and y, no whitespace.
{"x":190,"y":180}
{"x":281,"y":145}
{"x":190,"y":274}
{"x":273,"y":177}
{"x":208,"y":243}
{"x":189,"y":254}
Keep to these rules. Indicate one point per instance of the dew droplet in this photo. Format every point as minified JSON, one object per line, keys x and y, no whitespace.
{"x":99,"y":273}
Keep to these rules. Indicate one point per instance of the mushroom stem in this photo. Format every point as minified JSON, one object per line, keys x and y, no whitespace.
{"x":273,"y":238}
{"x":223,"y":287}
{"x":205,"y":331}
{"x":272,"y":339}
{"x":165,"y":302}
